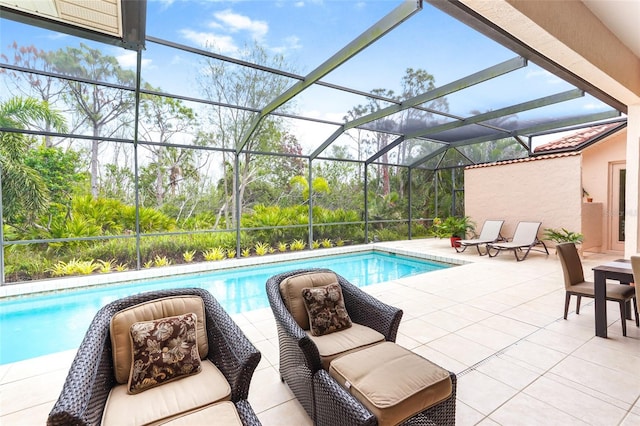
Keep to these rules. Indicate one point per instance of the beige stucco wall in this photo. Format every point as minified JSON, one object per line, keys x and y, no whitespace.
{"x":596,"y":163}
{"x":544,"y":190}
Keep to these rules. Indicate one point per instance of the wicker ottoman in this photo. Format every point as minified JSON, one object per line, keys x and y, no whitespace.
{"x":394,"y":383}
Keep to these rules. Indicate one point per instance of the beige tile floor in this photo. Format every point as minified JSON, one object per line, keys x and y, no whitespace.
{"x":496,"y":323}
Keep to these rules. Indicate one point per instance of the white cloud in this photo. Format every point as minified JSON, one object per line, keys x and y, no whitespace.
{"x":592,"y":106}
{"x":234,"y":22}
{"x":290,"y":43}
{"x":540,"y":73}
{"x":129,"y":60}
{"x":221,"y":43}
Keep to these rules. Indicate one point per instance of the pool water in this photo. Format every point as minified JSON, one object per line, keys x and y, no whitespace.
{"x":37,"y":325}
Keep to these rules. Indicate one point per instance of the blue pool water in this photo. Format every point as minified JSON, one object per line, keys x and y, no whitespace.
{"x":37,"y":325}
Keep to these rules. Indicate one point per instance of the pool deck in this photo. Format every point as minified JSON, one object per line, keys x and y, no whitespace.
{"x":495,"y":322}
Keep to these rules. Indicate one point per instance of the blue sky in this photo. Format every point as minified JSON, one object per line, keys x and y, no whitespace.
{"x":307,"y":33}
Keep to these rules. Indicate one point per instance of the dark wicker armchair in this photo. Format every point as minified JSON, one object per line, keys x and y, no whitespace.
{"x":91,"y":377}
{"x":322,"y":397}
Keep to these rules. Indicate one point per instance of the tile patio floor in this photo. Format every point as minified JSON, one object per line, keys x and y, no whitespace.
{"x":496,"y":323}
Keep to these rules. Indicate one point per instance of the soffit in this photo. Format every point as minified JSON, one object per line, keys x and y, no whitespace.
{"x":103,"y":16}
{"x":604,"y":55}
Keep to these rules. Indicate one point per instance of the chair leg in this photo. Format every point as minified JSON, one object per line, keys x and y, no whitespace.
{"x":578,"y":305}
{"x":635,"y":308}
{"x":623,"y":317}
{"x":567,"y":299}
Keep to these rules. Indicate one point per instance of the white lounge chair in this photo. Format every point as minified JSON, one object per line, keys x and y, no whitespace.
{"x":525,"y":237}
{"x":490,"y":234}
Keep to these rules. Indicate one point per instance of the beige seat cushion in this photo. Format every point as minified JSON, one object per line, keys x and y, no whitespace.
{"x":167,"y":401}
{"x":160,"y":308}
{"x":222,"y":413}
{"x":391,"y":381}
{"x":333,"y":345}
{"x":291,"y":292}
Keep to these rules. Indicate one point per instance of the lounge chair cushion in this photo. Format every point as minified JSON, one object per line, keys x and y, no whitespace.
{"x":291,"y":291}
{"x":391,"y":381}
{"x":167,"y":401}
{"x":163,"y":350}
{"x":326,"y":310}
{"x":222,"y":413}
{"x":356,"y":337}
{"x":122,"y":321}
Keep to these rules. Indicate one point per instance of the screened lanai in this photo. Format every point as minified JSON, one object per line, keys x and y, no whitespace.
{"x":209,"y":121}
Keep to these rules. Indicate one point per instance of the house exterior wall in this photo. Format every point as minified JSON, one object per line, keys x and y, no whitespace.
{"x":543,"y":190}
{"x":596,"y":162}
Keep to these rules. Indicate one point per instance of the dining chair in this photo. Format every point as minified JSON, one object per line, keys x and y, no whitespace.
{"x":575,"y":285}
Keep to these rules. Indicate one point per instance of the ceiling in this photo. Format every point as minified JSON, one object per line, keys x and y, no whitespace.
{"x":119,"y":22}
{"x":621,"y":17}
{"x":103,"y":16}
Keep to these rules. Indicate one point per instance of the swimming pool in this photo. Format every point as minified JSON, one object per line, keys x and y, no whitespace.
{"x":37,"y":325}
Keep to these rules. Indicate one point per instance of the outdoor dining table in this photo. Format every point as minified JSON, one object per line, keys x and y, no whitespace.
{"x":619,"y":270}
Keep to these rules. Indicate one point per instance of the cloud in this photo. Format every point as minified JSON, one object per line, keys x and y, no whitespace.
{"x":234,"y":22}
{"x":222,"y":43}
{"x":591,"y":106}
{"x":540,"y":73}
{"x":290,"y":43}
{"x":129,"y":60}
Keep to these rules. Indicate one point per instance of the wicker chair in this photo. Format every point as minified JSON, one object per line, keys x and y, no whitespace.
{"x":91,"y":376}
{"x":325,"y":401}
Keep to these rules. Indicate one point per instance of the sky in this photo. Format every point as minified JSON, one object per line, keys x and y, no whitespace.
{"x":308,"y":32}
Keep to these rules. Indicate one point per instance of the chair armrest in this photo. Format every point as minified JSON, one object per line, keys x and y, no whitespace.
{"x":246,"y":413}
{"x":337,"y":406}
{"x":229,"y":349}
{"x":90,"y":377}
{"x":367,"y":310}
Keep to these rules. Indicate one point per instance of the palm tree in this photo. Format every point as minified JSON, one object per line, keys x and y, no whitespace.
{"x":23,"y":190}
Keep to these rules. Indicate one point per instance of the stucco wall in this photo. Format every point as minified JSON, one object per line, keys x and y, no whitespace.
{"x":596,"y":161}
{"x":543,"y":190}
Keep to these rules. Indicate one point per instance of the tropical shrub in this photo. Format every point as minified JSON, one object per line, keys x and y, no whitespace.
{"x":189,"y":255}
{"x":212,"y":254}
{"x":262,"y":248}
{"x":298,"y":245}
{"x":563,"y":235}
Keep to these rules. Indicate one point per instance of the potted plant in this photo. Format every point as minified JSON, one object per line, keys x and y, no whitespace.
{"x":586,"y":195}
{"x":563,"y":235}
{"x":453,"y":227}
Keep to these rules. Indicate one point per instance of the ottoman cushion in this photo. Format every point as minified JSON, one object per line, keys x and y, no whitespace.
{"x":391,"y":381}
{"x":354,"y":338}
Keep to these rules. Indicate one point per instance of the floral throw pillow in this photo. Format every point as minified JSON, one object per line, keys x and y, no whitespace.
{"x":326,"y":309}
{"x":163,"y":350}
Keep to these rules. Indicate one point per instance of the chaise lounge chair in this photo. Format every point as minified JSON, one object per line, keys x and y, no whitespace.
{"x":524,"y":238}
{"x":490,"y":234}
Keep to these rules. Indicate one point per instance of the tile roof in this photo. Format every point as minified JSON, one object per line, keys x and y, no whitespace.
{"x":524,"y":160}
{"x":577,"y":139}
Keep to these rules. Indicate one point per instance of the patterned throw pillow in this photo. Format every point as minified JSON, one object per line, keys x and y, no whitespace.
{"x":326,"y":309}
{"x":163,"y":350}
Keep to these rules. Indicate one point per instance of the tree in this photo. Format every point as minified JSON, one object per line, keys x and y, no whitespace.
{"x":161,"y":119}
{"x":24,"y":192}
{"x":60,"y":170}
{"x":252,"y":89}
{"x":43,"y":87}
{"x":96,"y":106}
